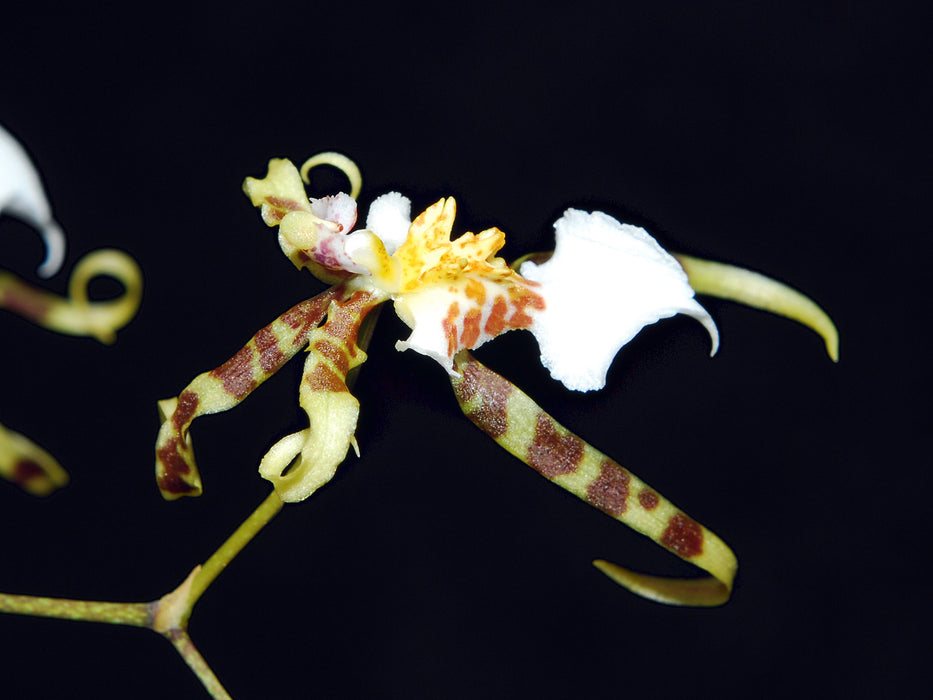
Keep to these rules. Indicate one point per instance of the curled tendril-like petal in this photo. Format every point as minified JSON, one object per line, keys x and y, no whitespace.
{"x":21,"y":460}
{"x":76,"y":314}
{"x":22,"y":194}
{"x":518,"y":424}
{"x":312,"y":232}
{"x":339,"y":161}
{"x":761,"y":292}
{"x":25,"y":463}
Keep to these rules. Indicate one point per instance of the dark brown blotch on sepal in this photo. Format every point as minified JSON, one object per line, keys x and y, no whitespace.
{"x":554,"y":452}
{"x":683,"y":536}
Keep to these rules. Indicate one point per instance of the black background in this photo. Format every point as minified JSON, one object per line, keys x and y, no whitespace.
{"x":793,"y":141}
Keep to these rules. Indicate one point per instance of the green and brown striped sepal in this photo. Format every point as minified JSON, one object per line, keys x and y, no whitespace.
{"x":226,"y":386}
{"x":300,"y":463}
{"x":518,"y":424}
{"x":26,"y":464}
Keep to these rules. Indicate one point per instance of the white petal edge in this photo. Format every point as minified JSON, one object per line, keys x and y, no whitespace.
{"x":605,"y":282}
{"x":424,"y":312}
{"x":22,"y":194}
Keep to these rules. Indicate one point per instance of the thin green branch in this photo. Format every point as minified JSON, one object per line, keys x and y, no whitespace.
{"x":218,"y":561}
{"x":134,"y":614}
{"x":169,"y":615}
{"x":183,"y":645}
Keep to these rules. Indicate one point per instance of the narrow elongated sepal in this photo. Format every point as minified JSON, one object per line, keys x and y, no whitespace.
{"x":761,"y":292}
{"x":519,"y":425}
{"x":26,"y":464}
{"x":302,"y":462}
{"x":225,"y":387}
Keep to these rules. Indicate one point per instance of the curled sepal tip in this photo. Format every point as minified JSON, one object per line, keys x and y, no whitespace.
{"x":76,"y":314}
{"x":698,"y":592}
{"x":519,"y":425}
{"x":300,"y":463}
{"x":313,"y":233}
{"x":339,"y":161}
{"x":226,"y":386}
{"x":761,"y":292}
{"x":26,"y":464}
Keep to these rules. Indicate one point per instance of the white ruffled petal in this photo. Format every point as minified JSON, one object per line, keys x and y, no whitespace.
{"x":604,"y":283}
{"x":389,"y":218}
{"x":21,"y":193}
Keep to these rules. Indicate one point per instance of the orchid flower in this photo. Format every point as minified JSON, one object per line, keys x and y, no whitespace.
{"x":455,"y":294}
{"x":21,"y":194}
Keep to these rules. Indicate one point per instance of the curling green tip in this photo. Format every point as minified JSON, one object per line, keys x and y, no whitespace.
{"x":761,"y":292}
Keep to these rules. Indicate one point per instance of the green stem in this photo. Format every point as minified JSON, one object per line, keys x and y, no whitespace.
{"x":183,"y":645}
{"x":134,"y":614}
{"x":169,"y":615}
{"x":218,"y":561}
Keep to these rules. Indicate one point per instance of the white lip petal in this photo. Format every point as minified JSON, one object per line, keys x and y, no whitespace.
{"x":21,"y":193}
{"x":605,"y":282}
{"x":389,"y":218}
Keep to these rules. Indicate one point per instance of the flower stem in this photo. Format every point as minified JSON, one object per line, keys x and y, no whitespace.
{"x":183,"y":645}
{"x":218,"y":561}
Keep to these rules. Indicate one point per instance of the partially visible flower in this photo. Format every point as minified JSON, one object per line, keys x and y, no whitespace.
{"x":22,"y":194}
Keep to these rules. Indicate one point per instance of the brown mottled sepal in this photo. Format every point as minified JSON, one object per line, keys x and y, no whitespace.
{"x":302,"y":462}
{"x":226,"y":386}
{"x":26,"y":464}
{"x":513,"y":420}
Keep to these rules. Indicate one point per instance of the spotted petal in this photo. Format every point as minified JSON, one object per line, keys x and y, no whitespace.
{"x":456,"y":295}
{"x":604,"y":283}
